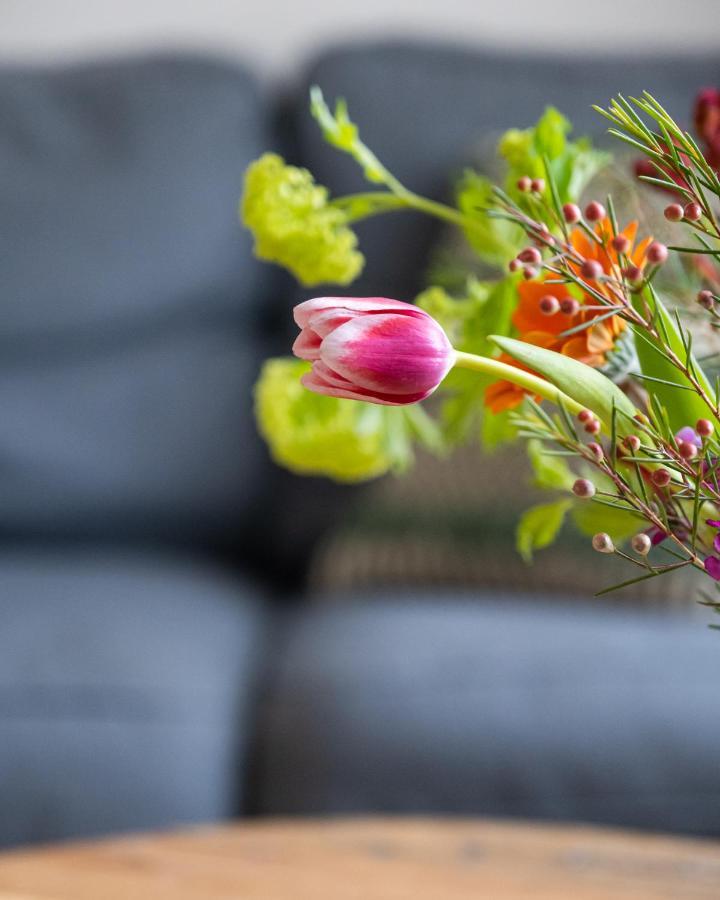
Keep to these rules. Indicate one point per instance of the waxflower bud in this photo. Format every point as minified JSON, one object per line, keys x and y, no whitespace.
{"x":704,"y":427}
{"x":656,"y":253}
{"x":583,"y":488}
{"x":693,"y":212}
{"x":524,"y":184}
{"x":530,"y":255}
{"x":371,"y":348}
{"x":602,"y":542}
{"x":549,"y":305}
{"x":674,"y":212}
{"x":529,"y":272}
{"x":687,"y":450}
{"x":641,"y":544}
{"x":593,"y":426}
{"x":706,"y":299}
{"x":591,"y":270}
{"x":632,"y":442}
{"x":661,"y":477}
{"x":538,"y":185}
{"x":569,"y":306}
{"x":595,"y":212}
{"x":633,"y":274}
{"x":596,"y":450}
{"x":585,"y":415}
{"x":621,"y":243}
{"x":571,"y":213}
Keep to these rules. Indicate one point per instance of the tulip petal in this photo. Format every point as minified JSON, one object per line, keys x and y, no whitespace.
{"x":303,"y":311}
{"x":307,"y":345}
{"x":389,"y":354}
{"x":317,"y":383}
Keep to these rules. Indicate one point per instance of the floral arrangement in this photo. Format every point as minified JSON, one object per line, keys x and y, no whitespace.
{"x":581,"y":343}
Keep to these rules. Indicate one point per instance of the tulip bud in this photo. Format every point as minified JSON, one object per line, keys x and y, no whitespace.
{"x":371,"y":348}
{"x":693,"y":212}
{"x":571,"y":213}
{"x":641,"y":544}
{"x":595,"y":212}
{"x":674,"y":212}
{"x":584,"y":489}
{"x":602,"y":542}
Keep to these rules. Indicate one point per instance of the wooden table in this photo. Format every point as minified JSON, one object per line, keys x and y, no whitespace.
{"x":390,"y":859}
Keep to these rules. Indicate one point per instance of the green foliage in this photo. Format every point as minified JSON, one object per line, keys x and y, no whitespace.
{"x":539,"y":526}
{"x":572,"y":164}
{"x":314,"y":435}
{"x":340,"y":132}
{"x":550,"y":472}
{"x":468,"y":321}
{"x":494,"y":240}
{"x":345,"y":440}
{"x":665,"y":381}
{"x":294,"y":224}
{"x":589,"y":518}
{"x":586,"y":385}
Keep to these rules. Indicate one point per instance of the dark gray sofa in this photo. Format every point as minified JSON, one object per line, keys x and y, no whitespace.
{"x":160,"y":660}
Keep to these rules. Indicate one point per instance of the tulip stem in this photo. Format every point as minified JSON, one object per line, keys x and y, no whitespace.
{"x":531,"y":383}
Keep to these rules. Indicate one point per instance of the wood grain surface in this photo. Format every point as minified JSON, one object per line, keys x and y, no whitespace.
{"x":388,"y":859}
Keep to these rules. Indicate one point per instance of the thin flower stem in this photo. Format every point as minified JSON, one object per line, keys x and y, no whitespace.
{"x":531,"y":383}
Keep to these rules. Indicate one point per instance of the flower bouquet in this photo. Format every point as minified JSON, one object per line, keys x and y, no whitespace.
{"x":581,"y":341}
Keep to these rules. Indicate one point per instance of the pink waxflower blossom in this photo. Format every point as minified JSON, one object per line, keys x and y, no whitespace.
{"x":371,"y":348}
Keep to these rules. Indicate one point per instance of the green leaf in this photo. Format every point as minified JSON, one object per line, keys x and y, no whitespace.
{"x":539,"y":526}
{"x":589,"y":518}
{"x":684,"y":407}
{"x":494,"y":240}
{"x":571,"y":164}
{"x":586,"y":385}
{"x":551,"y":472}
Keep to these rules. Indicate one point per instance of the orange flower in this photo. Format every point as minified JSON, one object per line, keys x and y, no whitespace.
{"x":589,"y":345}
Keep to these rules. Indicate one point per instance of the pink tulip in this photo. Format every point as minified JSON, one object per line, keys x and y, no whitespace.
{"x":370,"y":348}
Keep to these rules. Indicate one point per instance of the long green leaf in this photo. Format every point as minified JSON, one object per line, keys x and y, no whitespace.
{"x":586,"y":385}
{"x":669,"y":385}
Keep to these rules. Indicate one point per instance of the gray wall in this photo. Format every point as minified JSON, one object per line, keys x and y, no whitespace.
{"x":276,"y":34}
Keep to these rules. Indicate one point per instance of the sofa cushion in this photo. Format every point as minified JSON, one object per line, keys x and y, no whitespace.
{"x":130,"y":304}
{"x":421,"y":107}
{"x":495,"y":705}
{"x":127,"y":688}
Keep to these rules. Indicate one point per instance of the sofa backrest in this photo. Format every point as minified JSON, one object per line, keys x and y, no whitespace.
{"x":130,"y":304}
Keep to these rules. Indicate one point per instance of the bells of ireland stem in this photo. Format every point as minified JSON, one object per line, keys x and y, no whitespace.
{"x":371,"y":348}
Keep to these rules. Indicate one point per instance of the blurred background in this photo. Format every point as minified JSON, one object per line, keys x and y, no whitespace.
{"x":188,"y":633}
{"x":276,"y":37}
